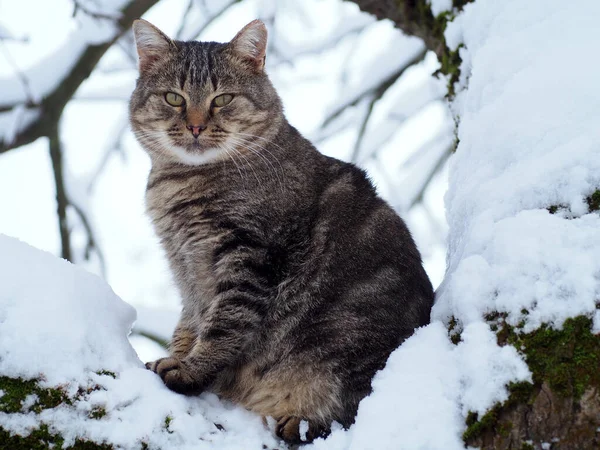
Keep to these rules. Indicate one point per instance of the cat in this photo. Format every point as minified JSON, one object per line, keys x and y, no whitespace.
{"x":297,"y":280}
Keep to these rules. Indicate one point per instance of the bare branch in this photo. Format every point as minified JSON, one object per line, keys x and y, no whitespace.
{"x":384,"y":85}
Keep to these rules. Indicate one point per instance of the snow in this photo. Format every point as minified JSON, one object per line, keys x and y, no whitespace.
{"x":529,"y":139}
{"x":440,"y":6}
{"x":65,"y":326}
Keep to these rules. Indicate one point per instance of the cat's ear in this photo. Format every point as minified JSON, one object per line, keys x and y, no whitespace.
{"x":152,"y":44}
{"x":250,"y":44}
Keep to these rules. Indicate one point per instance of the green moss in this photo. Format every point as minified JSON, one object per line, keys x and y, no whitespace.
{"x":527,"y":446}
{"x":107,"y":373}
{"x":15,"y":390}
{"x":168,"y":421}
{"x":476,"y":427}
{"x":454,"y":331}
{"x":567,"y":359}
{"x":593,"y":201}
{"x":43,"y":439}
{"x":97,"y":413}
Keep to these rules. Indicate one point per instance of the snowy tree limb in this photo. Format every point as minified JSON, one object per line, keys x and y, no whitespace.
{"x":53,"y":102}
{"x":414,"y":18}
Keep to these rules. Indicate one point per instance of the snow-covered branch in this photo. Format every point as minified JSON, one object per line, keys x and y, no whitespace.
{"x":71,"y":65}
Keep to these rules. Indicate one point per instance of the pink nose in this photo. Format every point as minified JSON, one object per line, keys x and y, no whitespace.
{"x":196,"y":129}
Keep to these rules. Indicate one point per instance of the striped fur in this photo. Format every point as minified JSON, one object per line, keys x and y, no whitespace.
{"x":297,"y":280}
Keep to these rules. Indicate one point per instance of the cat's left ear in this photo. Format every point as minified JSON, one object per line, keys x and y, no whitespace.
{"x":250,"y":44}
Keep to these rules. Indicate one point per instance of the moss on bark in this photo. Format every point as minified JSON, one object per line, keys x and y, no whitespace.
{"x":15,"y":392}
{"x":562,"y":404}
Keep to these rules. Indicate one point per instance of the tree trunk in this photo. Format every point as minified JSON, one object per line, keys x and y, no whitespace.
{"x":561,"y":408}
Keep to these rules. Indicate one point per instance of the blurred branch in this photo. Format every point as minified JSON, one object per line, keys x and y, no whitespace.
{"x":197,"y":32}
{"x":55,"y":100}
{"x":56,"y":155}
{"x":77,"y":6}
{"x":179,"y":34}
{"x":413,"y":17}
{"x":19,"y":73}
{"x":91,"y":244}
{"x":363,"y":127}
{"x":153,"y":337}
{"x":63,"y":201}
{"x":384,"y":85}
{"x":113,"y":145}
{"x":435,"y":168}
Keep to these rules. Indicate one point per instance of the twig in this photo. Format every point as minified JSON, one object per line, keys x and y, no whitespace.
{"x":188,"y":8}
{"x":153,"y":337}
{"x":114,"y":145}
{"x":96,"y":15}
{"x":363,"y":128}
{"x":195,"y":34}
{"x":91,"y":244}
{"x":20,"y":75}
{"x":441,"y":160}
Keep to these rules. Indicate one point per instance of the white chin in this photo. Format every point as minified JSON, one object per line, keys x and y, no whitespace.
{"x":197,"y":159}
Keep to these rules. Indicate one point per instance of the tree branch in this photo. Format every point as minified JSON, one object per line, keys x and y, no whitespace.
{"x":62,"y":202}
{"x":414,"y":18}
{"x":55,"y":101}
{"x":381,"y":87}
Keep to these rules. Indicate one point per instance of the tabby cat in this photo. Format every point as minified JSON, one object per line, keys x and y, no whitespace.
{"x":297,"y":280}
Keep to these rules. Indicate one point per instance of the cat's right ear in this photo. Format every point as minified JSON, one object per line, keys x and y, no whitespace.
{"x":152,"y":44}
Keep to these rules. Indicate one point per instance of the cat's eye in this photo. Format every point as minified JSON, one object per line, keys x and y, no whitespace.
{"x":174,"y":99}
{"x":222,"y":100}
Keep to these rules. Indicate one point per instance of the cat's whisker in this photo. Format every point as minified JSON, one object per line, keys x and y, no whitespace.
{"x":230,"y":156}
{"x":263,"y":148}
{"x":255,"y":149}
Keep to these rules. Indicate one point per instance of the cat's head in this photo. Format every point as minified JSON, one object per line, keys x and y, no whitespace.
{"x":196,"y":101}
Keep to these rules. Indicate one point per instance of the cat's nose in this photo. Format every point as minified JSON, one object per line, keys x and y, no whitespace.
{"x":196,"y":129}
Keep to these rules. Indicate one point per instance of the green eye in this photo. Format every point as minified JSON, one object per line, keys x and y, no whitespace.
{"x":174,"y":99}
{"x":222,"y":100}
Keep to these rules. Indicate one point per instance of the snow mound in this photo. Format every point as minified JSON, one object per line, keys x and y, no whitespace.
{"x":67,"y":329}
{"x":529,"y":139}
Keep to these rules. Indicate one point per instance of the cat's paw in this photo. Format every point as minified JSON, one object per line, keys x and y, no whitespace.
{"x":175,"y":374}
{"x":290,"y":429}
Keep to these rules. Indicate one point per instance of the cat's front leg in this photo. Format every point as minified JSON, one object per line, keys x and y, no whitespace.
{"x":184,"y":338}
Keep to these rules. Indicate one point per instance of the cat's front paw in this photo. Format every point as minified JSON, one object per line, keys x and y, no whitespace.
{"x":175,"y":374}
